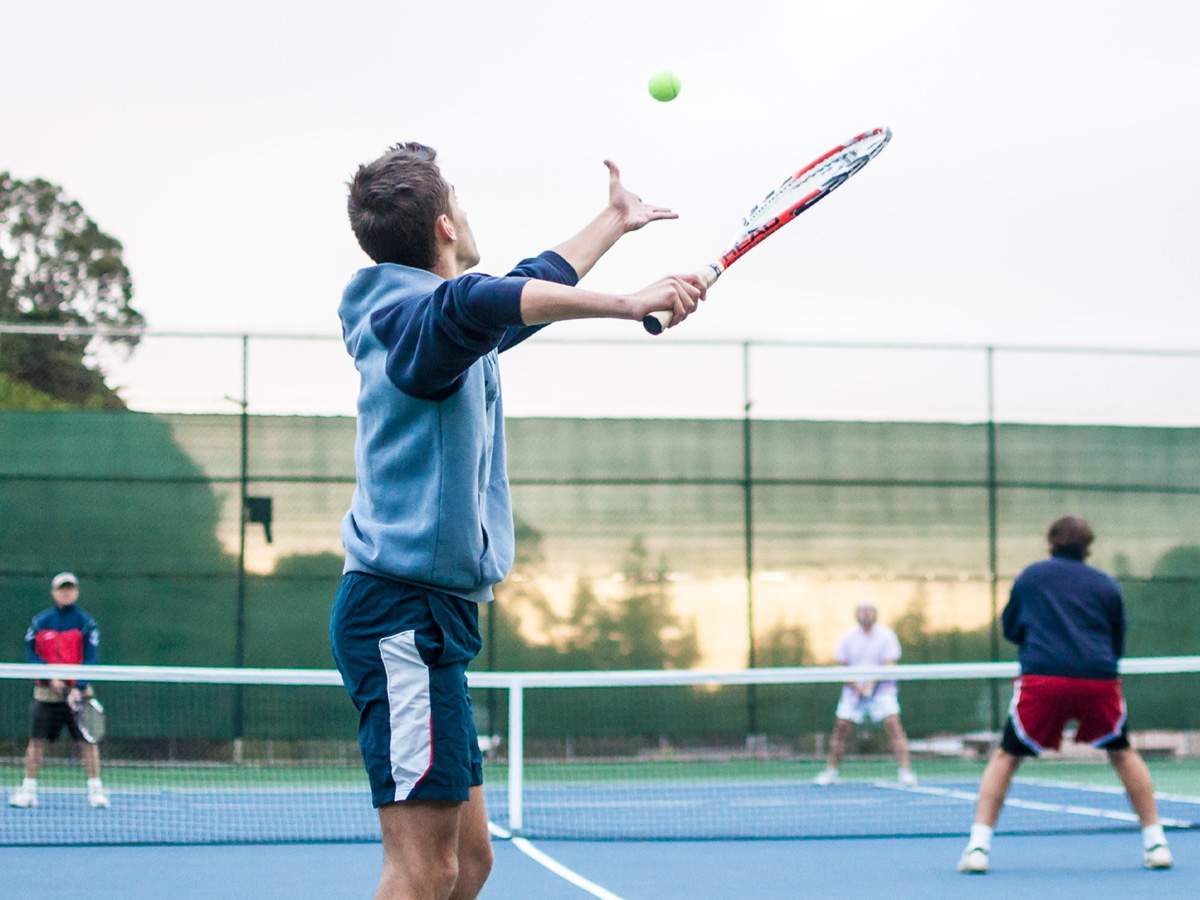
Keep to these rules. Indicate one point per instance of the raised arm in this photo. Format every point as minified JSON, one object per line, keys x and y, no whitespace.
{"x":625,"y":212}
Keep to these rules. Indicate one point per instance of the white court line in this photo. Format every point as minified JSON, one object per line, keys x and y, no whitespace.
{"x":1104,"y":789}
{"x":549,"y":862}
{"x":1069,"y":808}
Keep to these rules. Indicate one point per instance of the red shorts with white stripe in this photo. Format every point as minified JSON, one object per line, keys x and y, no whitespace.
{"x":1042,"y":705}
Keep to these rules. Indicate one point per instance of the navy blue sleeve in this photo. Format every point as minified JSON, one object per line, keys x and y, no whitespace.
{"x":1010,"y":619}
{"x":31,"y":642}
{"x":431,"y":341}
{"x":1118,"y":622}
{"x":91,"y":646}
{"x":91,"y":641}
{"x":548,"y":266}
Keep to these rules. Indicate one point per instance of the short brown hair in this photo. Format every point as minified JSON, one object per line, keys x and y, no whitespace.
{"x":1070,"y":536}
{"x":394,"y":203}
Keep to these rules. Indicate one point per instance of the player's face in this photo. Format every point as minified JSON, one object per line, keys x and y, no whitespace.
{"x":465,"y":250}
{"x":65,"y":595}
{"x":866,"y":616}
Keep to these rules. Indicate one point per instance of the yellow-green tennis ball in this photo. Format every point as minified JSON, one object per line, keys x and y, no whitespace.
{"x":664,"y":86}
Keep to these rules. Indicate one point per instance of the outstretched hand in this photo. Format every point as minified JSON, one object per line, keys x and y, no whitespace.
{"x":633,"y":211}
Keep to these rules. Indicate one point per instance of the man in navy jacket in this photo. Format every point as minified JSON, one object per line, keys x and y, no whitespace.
{"x":66,"y":635}
{"x":1068,"y":621}
{"x":430,"y":525}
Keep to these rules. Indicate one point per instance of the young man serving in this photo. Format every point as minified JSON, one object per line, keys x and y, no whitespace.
{"x":430,"y":527}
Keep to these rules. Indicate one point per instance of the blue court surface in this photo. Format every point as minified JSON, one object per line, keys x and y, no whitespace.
{"x":1104,"y":865}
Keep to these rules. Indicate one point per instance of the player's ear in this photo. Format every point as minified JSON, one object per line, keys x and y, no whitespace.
{"x":444,"y":228}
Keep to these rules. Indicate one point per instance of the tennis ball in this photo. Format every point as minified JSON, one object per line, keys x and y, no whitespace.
{"x":664,"y":86}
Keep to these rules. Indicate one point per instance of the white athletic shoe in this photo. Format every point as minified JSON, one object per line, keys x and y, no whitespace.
{"x":974,"y":861}
{"x":98,"y":799}
{"x":827,"y":777}
{"x":22,"y":798}
{"x":1157,"y":857}
{"x":907,"y":778}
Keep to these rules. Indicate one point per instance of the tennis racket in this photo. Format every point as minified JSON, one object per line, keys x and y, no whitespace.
{"x":89,"y":718}
{"x":802,"y":191}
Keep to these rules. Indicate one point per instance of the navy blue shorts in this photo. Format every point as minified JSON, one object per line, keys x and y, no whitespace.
{"x":403,"y":652}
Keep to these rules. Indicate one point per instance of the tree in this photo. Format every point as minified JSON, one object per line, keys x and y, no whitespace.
{"x":58,"y":268}
{"x":784,"y":645}
{"x":639,"y":631}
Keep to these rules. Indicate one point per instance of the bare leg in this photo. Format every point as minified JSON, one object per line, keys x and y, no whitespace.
{"x":420,"y":850}
{"x":993,"y":787}
{"x":34,"y":754}
{"x":474,"y":848}
{"x":896,"y":735}
{"x":90,"y":754}
{"x":1138,"y":784}
{"x":837,"y":742}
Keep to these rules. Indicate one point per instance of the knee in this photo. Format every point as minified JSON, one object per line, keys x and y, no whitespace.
{"x":1121,"y":757}
{"x":475,"y":863}
{"x":434,"y":876}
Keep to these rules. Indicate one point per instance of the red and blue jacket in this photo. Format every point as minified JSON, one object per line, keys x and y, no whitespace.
{"x":67,"y":635}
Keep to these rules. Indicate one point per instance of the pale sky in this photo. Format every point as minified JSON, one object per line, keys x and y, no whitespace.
{"x":1040,"y":187}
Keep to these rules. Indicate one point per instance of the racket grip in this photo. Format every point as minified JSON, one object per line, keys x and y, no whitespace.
{"x":658,"y":322}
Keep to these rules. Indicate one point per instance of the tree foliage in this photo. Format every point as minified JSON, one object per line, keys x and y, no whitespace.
{"x":58,"y":268}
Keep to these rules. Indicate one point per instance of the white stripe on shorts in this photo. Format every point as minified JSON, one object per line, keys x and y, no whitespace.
{"x":410,"y":716}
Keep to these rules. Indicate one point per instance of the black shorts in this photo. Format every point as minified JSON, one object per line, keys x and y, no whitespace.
{"x":1012,"y":744}
{"x":49,"y":720}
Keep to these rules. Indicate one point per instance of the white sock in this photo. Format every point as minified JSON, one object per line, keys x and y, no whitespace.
{"x":981,"y":836}
{"x":29,"y":784}
{"x":905,"y":772}
{"x":94,"y":785}
{"x":1151,"y":835}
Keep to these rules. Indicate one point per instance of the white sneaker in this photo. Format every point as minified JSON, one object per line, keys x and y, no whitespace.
{"x":22,"y":798}
{"x":907,"y":778}
{"x":827,"y":777}
{"x":98,"y":799}
{"x":1157,"y":857}
{"x":974,"y":861}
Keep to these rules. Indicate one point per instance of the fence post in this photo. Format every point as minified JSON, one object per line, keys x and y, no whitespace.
{"x":239,"y":642}
{"x":993,"y":537}
{"x":748,"y":527}
{"x":516,"y":756}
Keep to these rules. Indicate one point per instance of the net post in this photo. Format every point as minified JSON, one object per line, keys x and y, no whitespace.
{"x":516,"y":755}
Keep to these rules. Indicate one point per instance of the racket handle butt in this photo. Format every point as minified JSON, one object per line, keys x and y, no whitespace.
{"x":657,"y":322}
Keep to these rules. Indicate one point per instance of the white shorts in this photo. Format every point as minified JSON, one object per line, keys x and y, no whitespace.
{"x":854,"y":709}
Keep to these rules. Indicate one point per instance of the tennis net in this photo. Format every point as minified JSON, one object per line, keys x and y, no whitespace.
{"x":196,"y":755}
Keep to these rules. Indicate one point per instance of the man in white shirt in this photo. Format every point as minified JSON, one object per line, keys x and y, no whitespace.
{"x":870,"y":644}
